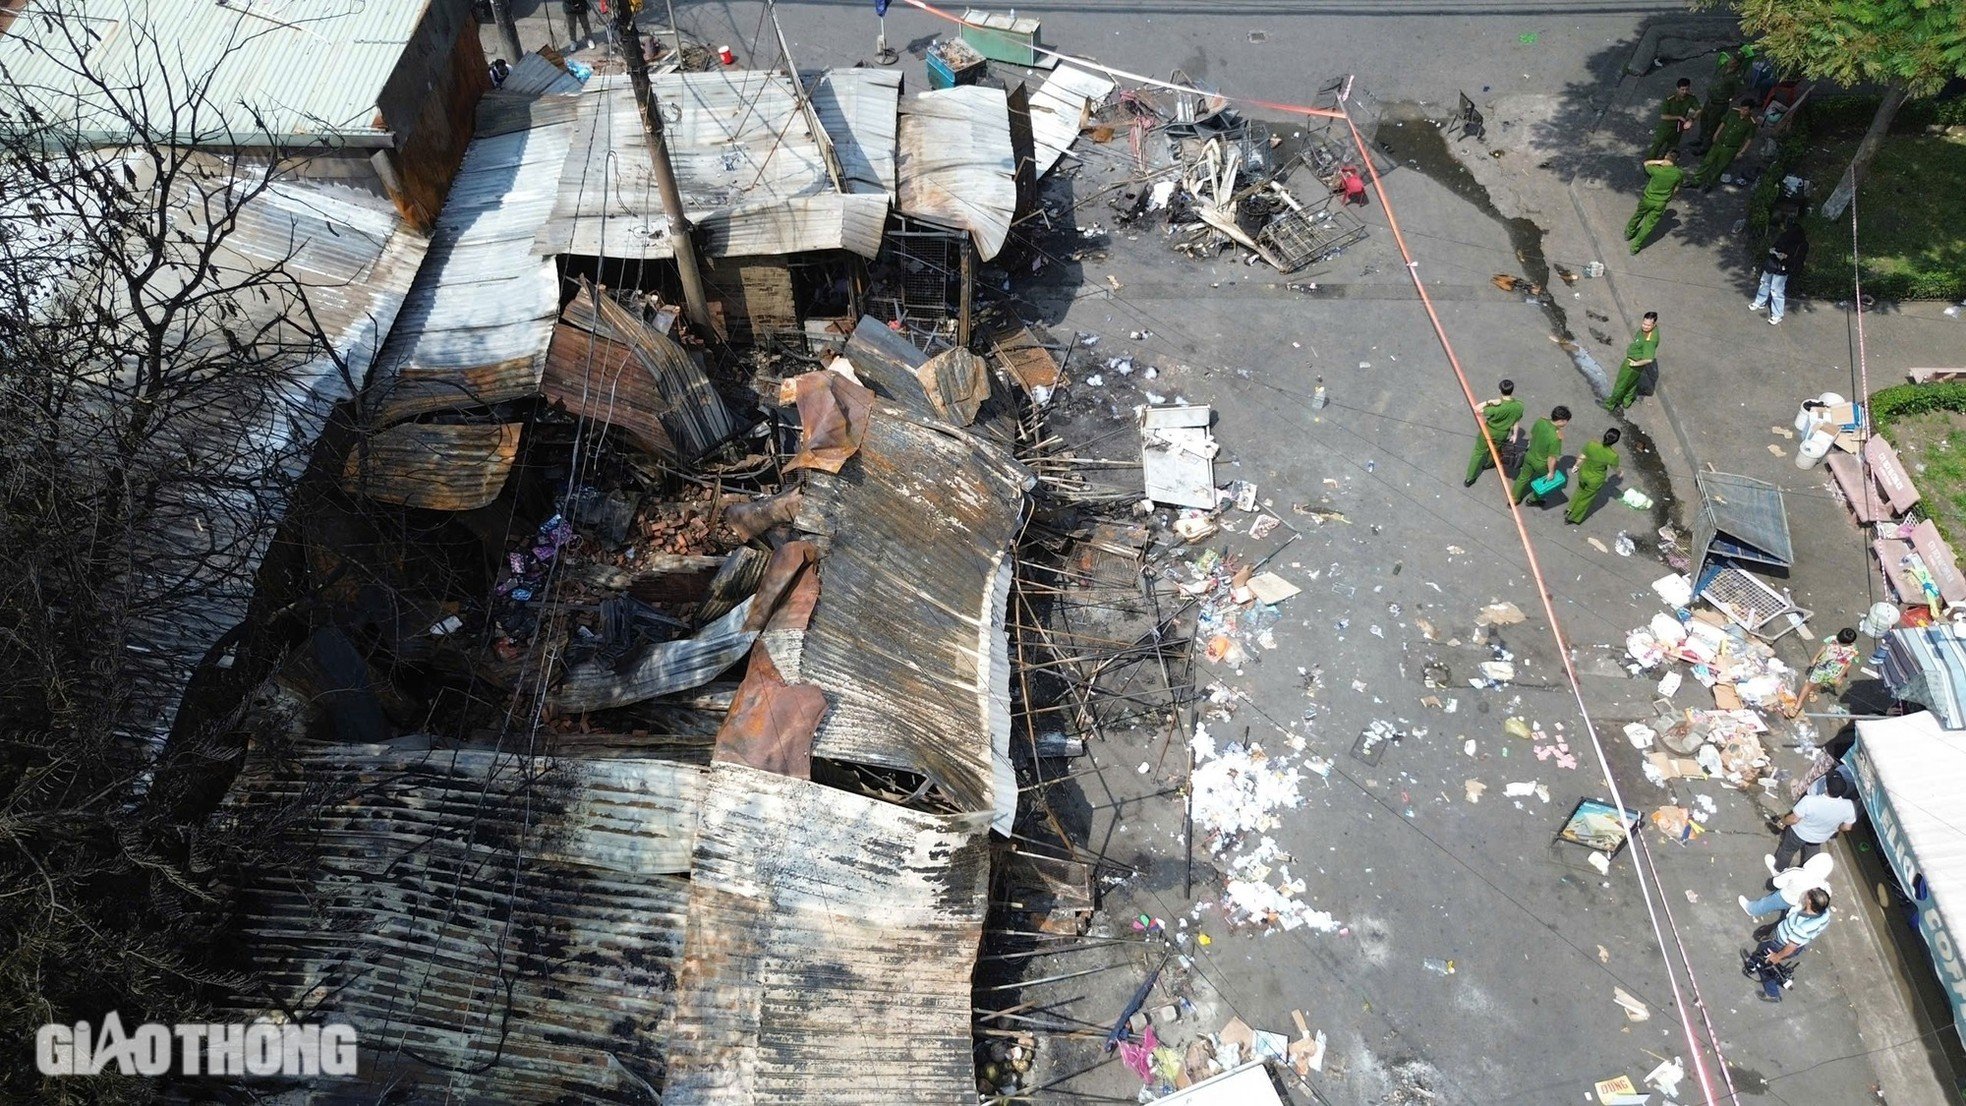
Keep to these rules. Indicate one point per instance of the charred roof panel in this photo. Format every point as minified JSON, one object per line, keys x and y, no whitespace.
{"x":498,"y":928}
{"x":858,"y":108}
{"x":908,"y":638}
{"x":478,"y":320}
{"x":830,"y":943}
{"x":434,"y":465}
{"x":1060,"y":107}
{"x":955,"y":165}
{"x":751,"y":172}
{"x":342,"y":255}
{"x":607,"y":364}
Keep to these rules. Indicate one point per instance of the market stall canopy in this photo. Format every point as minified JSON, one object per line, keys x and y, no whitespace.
{"x":1741,"y":519}
{"x":1910,"y":772}
{"x":1927,"y":665}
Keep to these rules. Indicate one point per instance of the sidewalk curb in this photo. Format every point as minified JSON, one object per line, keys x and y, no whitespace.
{"x":1647,"y":49}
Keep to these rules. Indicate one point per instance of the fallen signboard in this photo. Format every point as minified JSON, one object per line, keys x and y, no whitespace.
{"x":1177,"y":455}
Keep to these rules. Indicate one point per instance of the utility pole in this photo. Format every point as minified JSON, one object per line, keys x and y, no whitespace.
{"x":684,"y":247}
{"x":507,"y":29}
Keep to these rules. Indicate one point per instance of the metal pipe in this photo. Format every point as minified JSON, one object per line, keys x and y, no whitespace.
{"x":508,"y":29}
{"x":695,"y":301}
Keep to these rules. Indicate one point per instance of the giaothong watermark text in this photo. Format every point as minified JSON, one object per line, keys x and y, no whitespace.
{"x":217,"y":1048}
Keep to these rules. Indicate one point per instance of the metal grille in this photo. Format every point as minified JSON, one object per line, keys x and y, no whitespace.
{"x":1298,"y":238}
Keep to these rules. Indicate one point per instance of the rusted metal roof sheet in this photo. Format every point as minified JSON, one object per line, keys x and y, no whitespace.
{"x":955,"y":165}
{"x":858,"y":109}
{"x":829,"y":948}
{"x":752,"y":176}
{"x":498,"y":928}
{"x":908,"y":637}
{"x":437,"y":466}
{"x":610,"y":366}
{"x":478,"y":320}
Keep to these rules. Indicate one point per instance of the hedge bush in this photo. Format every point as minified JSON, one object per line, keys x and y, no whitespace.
{"x":1887,"y":405}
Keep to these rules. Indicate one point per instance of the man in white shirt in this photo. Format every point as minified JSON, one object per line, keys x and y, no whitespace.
{"x":1813,"y":821}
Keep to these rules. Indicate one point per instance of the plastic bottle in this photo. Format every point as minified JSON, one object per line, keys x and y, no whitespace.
{"x":1318,"y":398}
{"x":1438,"y":966}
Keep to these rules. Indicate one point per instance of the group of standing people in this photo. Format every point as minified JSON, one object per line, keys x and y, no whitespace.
{"x":1723,"y":131}
{"x":1542,"y":456}
{"x":1536,"y":476}
{"x":1798,"y":892}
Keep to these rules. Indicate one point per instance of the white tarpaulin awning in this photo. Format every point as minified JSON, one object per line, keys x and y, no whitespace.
{"x":1911,"y":772}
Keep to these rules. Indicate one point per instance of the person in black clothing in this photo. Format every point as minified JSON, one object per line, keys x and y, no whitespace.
{"x":1785,"y":256}
{"x":576,"y":13}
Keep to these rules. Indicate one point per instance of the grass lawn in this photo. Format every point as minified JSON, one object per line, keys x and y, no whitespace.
{"x":1933,"y":447}
{"x":1911,"y":214}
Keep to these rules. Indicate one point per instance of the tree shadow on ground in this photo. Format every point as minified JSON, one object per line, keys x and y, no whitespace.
{"x":1603,"y":124}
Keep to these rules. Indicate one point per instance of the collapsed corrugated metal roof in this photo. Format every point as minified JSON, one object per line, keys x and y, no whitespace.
{"x":892,"y":366}
{"x":352,"y":259}
{"x":1060,"y":107}
{"x":262,"y":71}
{"x":858,"y":107}
{"x":753,"y":177}
{"x":437,"y":466}
{"x":659,"y":669}
{"x":609,"y":365}
{"x":908,"y":638}
{"x":829,"y":948}
{"x":534,"y":75}
{"x":480,"y":315}
{"x":497,"y":927}
{"x":955,"y":165}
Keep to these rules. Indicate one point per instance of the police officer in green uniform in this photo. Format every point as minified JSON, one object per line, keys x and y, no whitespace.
{"x":1499,"y":417}
{"x":1662,"y":177}
{"x":1735,"y":130}
{"x":1545,"y":450}
{"x":1594,"y":467}
{"x":1675,"y":117}
{"x":1644,"y":350}
{"x":1726,"y":86}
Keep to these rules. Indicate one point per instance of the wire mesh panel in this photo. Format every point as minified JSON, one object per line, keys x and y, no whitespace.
{"x":1299,"y":238}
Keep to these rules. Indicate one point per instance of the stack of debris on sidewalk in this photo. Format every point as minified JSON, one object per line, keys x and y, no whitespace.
{"x":1756,"y":698}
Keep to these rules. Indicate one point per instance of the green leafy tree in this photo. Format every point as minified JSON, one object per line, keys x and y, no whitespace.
{"x":1911,"y":47}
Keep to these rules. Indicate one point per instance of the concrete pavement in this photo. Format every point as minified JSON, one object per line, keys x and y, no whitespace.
{"x":1729,"y":384}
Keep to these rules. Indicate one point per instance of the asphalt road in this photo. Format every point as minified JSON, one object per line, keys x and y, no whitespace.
{"x":1406,"y":49}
